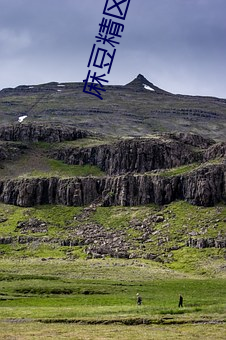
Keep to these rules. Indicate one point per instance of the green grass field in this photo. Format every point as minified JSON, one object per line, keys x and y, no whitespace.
{"x":52,"y":291}
{"x":38,"y":331}
{"x":96,"y":299}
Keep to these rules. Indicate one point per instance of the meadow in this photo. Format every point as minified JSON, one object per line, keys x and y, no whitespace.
{"x":96,"y":299}
{"x":50,"y":291}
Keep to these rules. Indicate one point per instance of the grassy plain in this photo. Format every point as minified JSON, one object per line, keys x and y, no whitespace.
{"x":96,"y":299}
{"x":52,"y":291}
{"x":38,"y":331}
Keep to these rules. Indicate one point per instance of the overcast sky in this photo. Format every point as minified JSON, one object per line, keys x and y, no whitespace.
{"x":179,"y":45}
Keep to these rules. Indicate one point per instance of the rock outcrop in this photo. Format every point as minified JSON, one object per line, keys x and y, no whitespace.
{"x":37,"y":132}
{"x":11,"y":151}
{"x":191,"y":139}
{"x":219,"y":242}
{"x":139,"y":155}
{"x":215,"y":151}
{"x":133,"y":168}
{"x":205,"y":186}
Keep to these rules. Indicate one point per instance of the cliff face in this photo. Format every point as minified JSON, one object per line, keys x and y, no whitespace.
{"x":131,"y":155}
{"x":191,"y":139}
{"x":11,"y":151}
{"x":35,"y":133}
{"x":125,"y":163}
{"x":215,"y":151}
{"x":206,"y":187}
{"x":202,"y":187}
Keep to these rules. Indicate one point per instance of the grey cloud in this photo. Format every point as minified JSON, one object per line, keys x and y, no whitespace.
{"x":179,"y":44}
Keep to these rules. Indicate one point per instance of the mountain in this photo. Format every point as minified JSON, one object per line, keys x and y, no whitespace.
{"x":139,"y":108}
{"x":95,"y":178}
{"x":64,"y":188}
{"x":131,"y":171}
{"x":100,"y":199}
{"x":140,"y":83}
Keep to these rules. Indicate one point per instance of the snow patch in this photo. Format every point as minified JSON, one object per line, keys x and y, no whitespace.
{"x":21,"y":118}
{"x":31,"y":87}
{"x":61,"y":85}
{"x":148,"y":87}
{"x":59,"y":90}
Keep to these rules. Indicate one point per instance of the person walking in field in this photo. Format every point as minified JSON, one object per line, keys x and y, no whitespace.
{"x":139,"y":299}
{"x":180,"y":301}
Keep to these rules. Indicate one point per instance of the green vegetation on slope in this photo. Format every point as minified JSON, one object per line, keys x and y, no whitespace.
{"x":60,"y":169}
{"x":180,"y":170}
{"x":179,"y":221}
{"x":36,"y":163}
{"x":184,"y":169}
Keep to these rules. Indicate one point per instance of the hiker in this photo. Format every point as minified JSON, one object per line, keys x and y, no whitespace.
{"x":139,"y":299}
{"x":180,"y":301}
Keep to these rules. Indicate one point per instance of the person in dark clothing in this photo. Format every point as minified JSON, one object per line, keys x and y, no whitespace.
{"x":180,"y":301}
{"x":139,"y":299}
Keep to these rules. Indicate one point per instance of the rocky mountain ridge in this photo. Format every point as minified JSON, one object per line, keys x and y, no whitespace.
{"x":138,"y":108}
{"x":166,"y":169}
{"x":40,"y":132}
{"x":134,"y":168}
{"x":143,"y":155}
{"x":140,"y":83}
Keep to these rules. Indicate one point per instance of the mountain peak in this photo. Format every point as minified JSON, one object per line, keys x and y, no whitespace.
{"x":140,"y":83}
{"x":141,"y":77}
